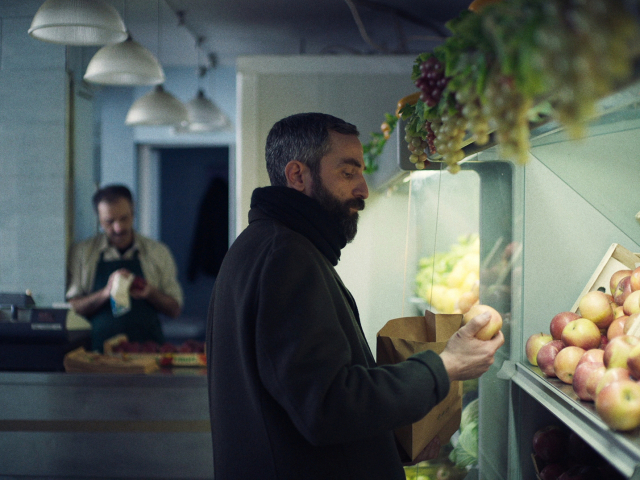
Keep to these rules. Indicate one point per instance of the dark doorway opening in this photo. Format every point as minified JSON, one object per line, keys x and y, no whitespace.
{"x":194,"y":223}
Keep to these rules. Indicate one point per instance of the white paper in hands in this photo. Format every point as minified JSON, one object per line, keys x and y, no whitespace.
{"x":119,"y":295}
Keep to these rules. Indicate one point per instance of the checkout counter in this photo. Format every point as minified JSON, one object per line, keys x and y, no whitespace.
{"x":88,"y":425}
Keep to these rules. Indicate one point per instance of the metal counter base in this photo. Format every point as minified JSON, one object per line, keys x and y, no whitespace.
{"x":58,"y":425}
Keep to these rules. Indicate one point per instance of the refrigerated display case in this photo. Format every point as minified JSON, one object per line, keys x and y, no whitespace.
{"x":459,"y":245}
{"x":543,"y":228}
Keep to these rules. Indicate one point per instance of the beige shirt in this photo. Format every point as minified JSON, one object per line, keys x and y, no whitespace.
{"x":158,"y":266}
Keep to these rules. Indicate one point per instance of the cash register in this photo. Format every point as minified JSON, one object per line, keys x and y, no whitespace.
{"x":34,"y":338}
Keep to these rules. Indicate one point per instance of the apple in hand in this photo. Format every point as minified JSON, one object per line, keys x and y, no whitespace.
{"x":622,"y":291}
{"x":533,"y":345}
{"x":559,"y":321}
{"x":546,"y":356}
{"x":490,"y":329}
{"x":581,"y":376}
{"x":617,"y":351}
{"x":618,"y":404}
{"x":596,"y":306}
{"x":138,"y":283}
{"x":566,"y":362}
{"x":582,"y":333}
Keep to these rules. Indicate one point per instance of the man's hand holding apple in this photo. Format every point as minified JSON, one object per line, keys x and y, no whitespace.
{"x":466,"y":357}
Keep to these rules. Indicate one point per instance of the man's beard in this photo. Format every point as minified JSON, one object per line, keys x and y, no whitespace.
{"x":348,"y":221}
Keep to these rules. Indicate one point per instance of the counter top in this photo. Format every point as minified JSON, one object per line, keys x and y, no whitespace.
{"x":75,"y":424}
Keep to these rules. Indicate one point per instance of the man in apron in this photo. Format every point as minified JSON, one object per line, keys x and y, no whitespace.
{"x":94,"y":264}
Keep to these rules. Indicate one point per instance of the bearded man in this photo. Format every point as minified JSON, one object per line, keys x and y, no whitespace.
{"x":293,"y":387}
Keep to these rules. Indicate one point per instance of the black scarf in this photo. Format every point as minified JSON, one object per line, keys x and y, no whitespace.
{"x":302,"y":214}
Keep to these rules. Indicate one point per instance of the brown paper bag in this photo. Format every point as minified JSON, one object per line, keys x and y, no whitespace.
{"x":398,"y":340}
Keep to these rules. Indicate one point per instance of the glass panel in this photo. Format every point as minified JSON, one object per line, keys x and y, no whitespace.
{"x":612,"y":143}
{"x":446,"y":217}
{"x":462,"y":252}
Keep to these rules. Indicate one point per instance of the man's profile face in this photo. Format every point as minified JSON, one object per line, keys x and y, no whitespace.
{"x":116,"y":219}
{"x":340,"y":185}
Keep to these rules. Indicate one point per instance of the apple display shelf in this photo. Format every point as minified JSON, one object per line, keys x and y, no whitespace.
{"x":621,"y":449}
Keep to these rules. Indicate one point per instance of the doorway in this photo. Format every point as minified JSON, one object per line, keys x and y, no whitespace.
{"x":193,"y":221}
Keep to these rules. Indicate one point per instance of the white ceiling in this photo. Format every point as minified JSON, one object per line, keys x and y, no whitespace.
{"x":231,"y":28}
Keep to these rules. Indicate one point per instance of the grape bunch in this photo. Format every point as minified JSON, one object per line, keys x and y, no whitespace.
{"x":471,"y":109}
{"x":450,"y":130}
{"x":418,"y":146}
{"x":432,"y":81}
{"x":583,"y":49}
{"x":431,"y":136}
{"x":509,"y":109}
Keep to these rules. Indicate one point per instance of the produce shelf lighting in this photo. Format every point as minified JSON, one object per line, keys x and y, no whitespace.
{"x":77,"y":22}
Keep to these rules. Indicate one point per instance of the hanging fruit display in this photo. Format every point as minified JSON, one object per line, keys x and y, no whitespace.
{"x":510,"y":63}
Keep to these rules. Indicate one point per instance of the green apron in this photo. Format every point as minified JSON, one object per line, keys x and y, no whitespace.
{"x":140,"y":324}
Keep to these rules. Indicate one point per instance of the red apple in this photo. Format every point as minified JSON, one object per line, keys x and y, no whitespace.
{"x":623,"y":290}
{"x":581,"y":472}
{"x":580,"y":377}
{"x":551,"y":443}
{"x":552,"y":471}
{"x":618,"y":404}
{"x":632,"y":303}
{"x":559,"y":321}
{"x":534,"y":342}
{"x":489,"y":330}
{"x":547,"y":355}
{"x":593,"y":355}
{"x":582,"y":333}
{"x":616,"y":277}
{"x":593,"y":380}
{"x":616,"y":328}
{"x":138,"y":283}
{"x":633,"y":362}
{"x":617,"y":351}
{"x":566,"y":362}
{"x":618,"y":311}
{"x":635,"y":279}
{"x":612,"y":375}
{"x":603,"y":341}
{"x":632,"y":325}
{"x":595,"y":306}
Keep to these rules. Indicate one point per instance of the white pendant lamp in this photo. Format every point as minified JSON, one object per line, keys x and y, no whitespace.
{"x":157,"y":108}
{"x":204,"y":115}
{"x":78,"y":22}
{"x":124,"y":63}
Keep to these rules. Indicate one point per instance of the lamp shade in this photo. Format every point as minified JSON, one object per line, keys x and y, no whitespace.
{"x":78,"y":22}
{"x":204,"y":115}
{"x":157,"y":108}
{"x":124,"y":63}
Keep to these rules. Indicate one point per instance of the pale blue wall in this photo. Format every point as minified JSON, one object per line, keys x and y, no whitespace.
{"x":32,"y":157}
